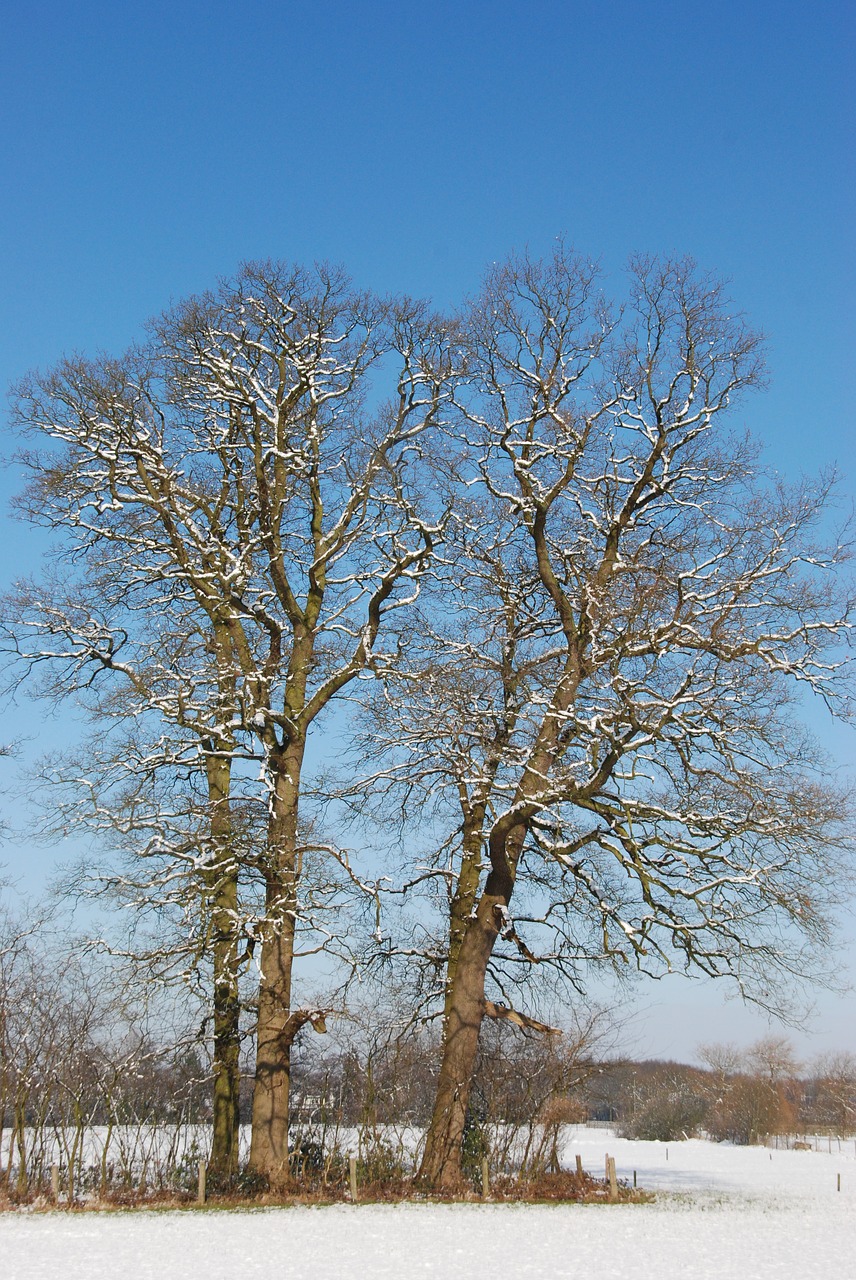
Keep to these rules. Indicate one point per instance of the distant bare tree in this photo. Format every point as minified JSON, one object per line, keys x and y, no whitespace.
{"x":724,"y":1059}
{"x":772,"y":1058}
{"x":834,"y":1076}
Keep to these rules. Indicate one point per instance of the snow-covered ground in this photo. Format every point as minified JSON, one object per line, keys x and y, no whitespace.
{"x":735,"y":1213}
{"x":708,"y":1170}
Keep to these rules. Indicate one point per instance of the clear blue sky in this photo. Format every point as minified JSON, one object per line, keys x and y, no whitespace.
{"x":147,"y":150}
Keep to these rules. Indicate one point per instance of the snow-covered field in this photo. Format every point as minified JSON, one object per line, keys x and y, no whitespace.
{"x":739,"y":1213}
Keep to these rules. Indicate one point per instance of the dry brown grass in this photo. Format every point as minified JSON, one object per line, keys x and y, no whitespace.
{"x":550,"y":1188}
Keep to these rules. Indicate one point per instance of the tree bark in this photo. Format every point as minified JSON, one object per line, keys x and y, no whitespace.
{"x":460,"y":909}
{"x":276,"y":1025}
{"x":441,"y":1162}
{"x":227,"y":1036}
{"x":466,"y":1005}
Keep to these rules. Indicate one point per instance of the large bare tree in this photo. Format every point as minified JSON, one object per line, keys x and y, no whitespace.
{"x":243,"y":474}
{"x":631,"y":618}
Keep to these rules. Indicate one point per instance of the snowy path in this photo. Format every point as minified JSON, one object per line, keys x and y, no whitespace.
{"x":737,"y":1215}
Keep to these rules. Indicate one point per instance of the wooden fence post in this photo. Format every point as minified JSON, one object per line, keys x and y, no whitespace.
{"x":485,"y":1178}
{"x":200,"y":1186}
{"x":55,"y":1183}
{"x":613,"y":1181}
{"x":579,"y":1166}
{"x":352,"y":1169}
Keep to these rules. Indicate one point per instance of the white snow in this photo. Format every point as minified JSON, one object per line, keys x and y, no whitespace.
{"x":707,"y":1170}
{"x":723,"y":1212}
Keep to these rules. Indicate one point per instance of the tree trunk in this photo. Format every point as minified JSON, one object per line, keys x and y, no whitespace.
{"x":466,"y":1008}
{"x":3,"y":1095}
{"x":460,"y":909}
{"x":227,"y":1032}
{"x":20,"y":1121}
{"x":222,"y":893}
{"x":276,"y":1028}
{"x":269,"y":1145}
{"x":441,"y":1162}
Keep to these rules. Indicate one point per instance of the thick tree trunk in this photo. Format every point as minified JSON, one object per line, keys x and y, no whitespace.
{"x":465,"y":1010}
{"x":275,"y":1035}
{"x":460,"y":909}
{"x":276,"y":1027}
{"x":441,"y":1162}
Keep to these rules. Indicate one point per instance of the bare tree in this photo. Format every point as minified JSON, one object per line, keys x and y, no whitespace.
{"x":723,"y":1059}
{"x":772,"y":1058}
{"x":239,"y":473}
{"x":834,"y":1077}
{"x":616,"y":723}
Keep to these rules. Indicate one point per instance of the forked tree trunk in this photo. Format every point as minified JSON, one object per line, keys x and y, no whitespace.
{"x":465,"y":1011}
{"x":441,"y":1162}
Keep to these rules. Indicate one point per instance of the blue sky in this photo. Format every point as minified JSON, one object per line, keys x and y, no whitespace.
{"x":148,"y":150}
